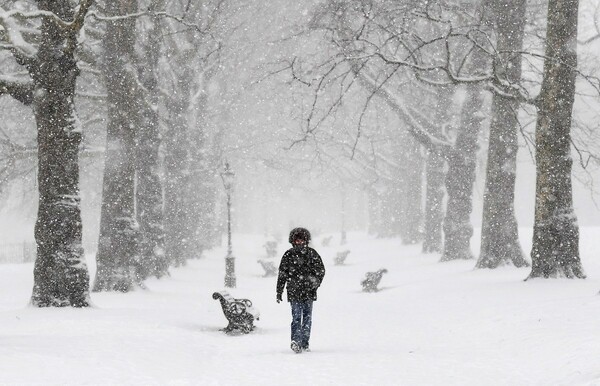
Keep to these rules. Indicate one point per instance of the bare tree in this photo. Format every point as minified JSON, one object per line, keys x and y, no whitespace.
{"x":380,"y":46}
{"x":149,"y":189}
{"x":189,"y":169}
{"x":412,"y":193}
{"x":555,"y":249}
{"x":176,"y":163}
{"x":60,"y":274}
{"x":435,"y":173}
{"x":117,"y":255}
{"x":499,"y":232}
{"x":201,"y":192}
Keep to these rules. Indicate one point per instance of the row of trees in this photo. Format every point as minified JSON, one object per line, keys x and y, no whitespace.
{"x":440,"y":68}
{"x":142,"y":71}
{"x":145,"y":72}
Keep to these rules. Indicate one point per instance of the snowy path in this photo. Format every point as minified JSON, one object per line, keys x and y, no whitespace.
{"x":433,"y":324}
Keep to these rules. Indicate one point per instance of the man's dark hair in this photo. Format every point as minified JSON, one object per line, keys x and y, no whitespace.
{"x":299,"y":234}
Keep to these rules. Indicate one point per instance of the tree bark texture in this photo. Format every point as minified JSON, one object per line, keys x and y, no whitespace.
{"x":434,"y":203}
{"x":201,"y":192}
{"x":187,"y":190}
{"x":390,"y":209}
{"x":555,"y":249}
{"x":375,"y":212}
{"x":499,"y":231}
{"x":412,"y":188}
{"x":435,"y":173}
{"x":461,"y":177}
{"x":463,"y":159}
{"x":117,"y":258}
{"x":60,"y":274}
{"x":177,"y":173}
{"x":149,"y":195}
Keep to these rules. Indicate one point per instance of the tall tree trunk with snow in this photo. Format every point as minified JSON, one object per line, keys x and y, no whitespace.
{"x":196,"y":186}
{"x":461,"y":177}
{"x":434,"y":176}
{"x":499,"y":232}
{"x":555,"y":249}
{"x":177,"y":172}
{"x":60,"y":274}
{"x":412,"y":214}
{"x":117,"y":258}
{"x":375,"y":212}
{"x":434,"y":203}
{"x":201,"y":192}
{"x":391,"y":209}
{"x":190,"y":66}
{"x":149,"y":195}
{"x":462,"y":160}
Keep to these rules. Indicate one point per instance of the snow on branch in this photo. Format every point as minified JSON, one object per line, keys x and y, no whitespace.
{"x":135,"y":15}
{"x":15,"y":33}
{"x":18,"y":89}
{"x":75,"y":26}
{"x":413,"y":119}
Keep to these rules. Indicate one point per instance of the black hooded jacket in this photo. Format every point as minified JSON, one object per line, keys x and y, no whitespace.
{"x":302,"y":269}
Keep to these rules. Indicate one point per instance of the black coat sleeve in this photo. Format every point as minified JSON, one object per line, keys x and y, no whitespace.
{"x":283,"y":273}
{"x":319,"y":269}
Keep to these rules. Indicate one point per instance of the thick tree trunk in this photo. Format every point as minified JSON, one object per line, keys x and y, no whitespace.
{"x":412,"y":214}
{"x":117,"y":258}
{"x":499,"y":232}
{"x":434,"y":203}
{"x":201,"y":192}
{"x":176,"y":174}
{"x":390,"y":209}
{"x":555,"y":249}
{"x":434,"y":193}
{"x":60,"y":273}
{"x":201,"y":200}
{"x":375,"y":213}
{"x":460,"y":178}
{"x":149,"y":195}
{"x":463,"y":159}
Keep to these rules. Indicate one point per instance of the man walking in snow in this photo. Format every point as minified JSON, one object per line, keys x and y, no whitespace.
{"x":302,"y":269}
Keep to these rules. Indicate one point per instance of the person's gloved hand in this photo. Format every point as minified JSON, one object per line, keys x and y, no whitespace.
{"x":279,"y":299}
{"x":314,"y":282}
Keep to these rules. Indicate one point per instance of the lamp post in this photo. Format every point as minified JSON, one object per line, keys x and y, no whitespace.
{"x":227,"y":176}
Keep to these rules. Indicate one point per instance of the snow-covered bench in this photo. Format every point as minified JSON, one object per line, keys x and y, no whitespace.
{"x":372,"y":280}
{"x":239,"y":312}
{"x":340,"y":258}
{"x":269,"y":267}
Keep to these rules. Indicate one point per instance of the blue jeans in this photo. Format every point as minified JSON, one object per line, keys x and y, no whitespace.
{"x":301,"y":322}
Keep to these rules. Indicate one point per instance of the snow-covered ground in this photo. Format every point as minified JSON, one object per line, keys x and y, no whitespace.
{"x":432,"y":324}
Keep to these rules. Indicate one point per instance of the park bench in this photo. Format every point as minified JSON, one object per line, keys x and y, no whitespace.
{"x":269,"y":267}
{"x":340,"y":258}
{"x":326,"y":241}
{"x":239,"y":312}
{"x":372,"y":280}
{"x":271,"y":248}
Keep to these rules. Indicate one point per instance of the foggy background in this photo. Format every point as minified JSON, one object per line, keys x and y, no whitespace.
{"x":256,"y":115}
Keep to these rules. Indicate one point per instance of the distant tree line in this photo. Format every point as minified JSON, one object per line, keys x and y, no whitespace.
{"x":141,"y":70}
{"x":448,"y":72}
{"x":426,"y":75}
